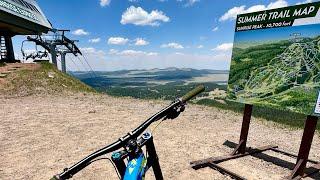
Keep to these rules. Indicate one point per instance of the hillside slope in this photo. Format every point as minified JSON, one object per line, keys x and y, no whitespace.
{"x":43,"y":78}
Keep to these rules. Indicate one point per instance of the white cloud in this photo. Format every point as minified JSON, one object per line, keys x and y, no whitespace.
{"x":80,"y":32}
{"x":172,"y":45}
{"x":191,"y":2}
{"x":304,"y":2}
{"x":140,"y":17}
{"x":92,"y":53}
{"x":200,"y":46}
{"x":131,"y":52}
{"x":233,"y":12}
{"x":186,"y":2}
{"x":215,"y":29}
{"x":104,"y":3}
{"x":90,"y":50}
{"x":118,"y":40}
{"x":179,"y":53}
{"x":113,"y":51}
{"x":95,"y":40}
{"x":202,"y":38}
{"x":223,"y":47}
{"x":141,"y":42}
{"x":277,"y":4}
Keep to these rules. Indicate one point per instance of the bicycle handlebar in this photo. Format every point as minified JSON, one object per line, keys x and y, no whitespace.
{"x":69,"y":172}
{"x":192,"y":93}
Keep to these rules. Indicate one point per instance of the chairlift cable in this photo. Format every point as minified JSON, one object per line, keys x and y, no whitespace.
{"x":86,"y":60}
{"x":75,"y":64}
{"x":68,"y":70}
{"x":83,"y":65}
{"x":90,"y":69}
{"x":95,"y":74}
{"x":90,"y":74}
{"x":85,"y":68}
{"x":77,"y":68}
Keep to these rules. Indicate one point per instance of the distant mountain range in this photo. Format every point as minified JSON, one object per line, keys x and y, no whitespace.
{"x":171,"y":71}
{"x":152,"y":77}
{"x":159,"y":70}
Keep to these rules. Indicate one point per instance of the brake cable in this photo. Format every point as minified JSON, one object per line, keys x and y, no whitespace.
{"x":153,"y":130}
{"x":106,"y":158}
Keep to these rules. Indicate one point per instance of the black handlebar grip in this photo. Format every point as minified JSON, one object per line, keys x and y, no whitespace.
{"x":193,"y":93}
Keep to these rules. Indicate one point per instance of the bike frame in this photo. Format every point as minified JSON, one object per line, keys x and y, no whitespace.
{"x":138,"y":164}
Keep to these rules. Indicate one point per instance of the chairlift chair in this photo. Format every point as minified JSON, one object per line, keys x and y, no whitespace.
{"x":36,"y":54}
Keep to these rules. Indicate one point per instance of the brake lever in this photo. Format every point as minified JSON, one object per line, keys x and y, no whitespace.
{"x":175,"y":112}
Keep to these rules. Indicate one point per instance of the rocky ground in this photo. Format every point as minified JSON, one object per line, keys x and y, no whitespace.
{"x":42,"y":135}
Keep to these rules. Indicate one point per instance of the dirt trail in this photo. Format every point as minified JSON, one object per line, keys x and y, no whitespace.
{"x":40,"y":136}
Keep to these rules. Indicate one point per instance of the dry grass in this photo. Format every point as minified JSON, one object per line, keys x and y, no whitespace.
{"x":35,"y":79}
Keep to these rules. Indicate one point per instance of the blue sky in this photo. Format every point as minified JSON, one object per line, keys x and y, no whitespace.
{"x":145,"y":34}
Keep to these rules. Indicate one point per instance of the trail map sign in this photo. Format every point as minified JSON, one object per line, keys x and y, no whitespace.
{"x":276,"y":59}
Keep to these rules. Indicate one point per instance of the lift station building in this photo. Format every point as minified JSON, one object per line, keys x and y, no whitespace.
{"x":19,"y":17}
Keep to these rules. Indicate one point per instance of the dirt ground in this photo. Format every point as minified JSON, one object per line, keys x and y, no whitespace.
{"x":40,"y":136}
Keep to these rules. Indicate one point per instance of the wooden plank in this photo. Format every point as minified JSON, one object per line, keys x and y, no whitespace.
{"x":204,"y":163}
{"x":225,"y":171}
{"x":312,"y":170}
{"x":316,"y":166}
{"x":291,"y":154}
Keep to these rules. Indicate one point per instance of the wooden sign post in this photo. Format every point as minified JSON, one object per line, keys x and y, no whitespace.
{"x":241,"y":150}
{"x":305,"y":146}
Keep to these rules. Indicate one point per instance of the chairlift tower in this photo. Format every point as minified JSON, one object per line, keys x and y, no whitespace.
{"x":57,"y":44}
{"x":63,"y":52}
